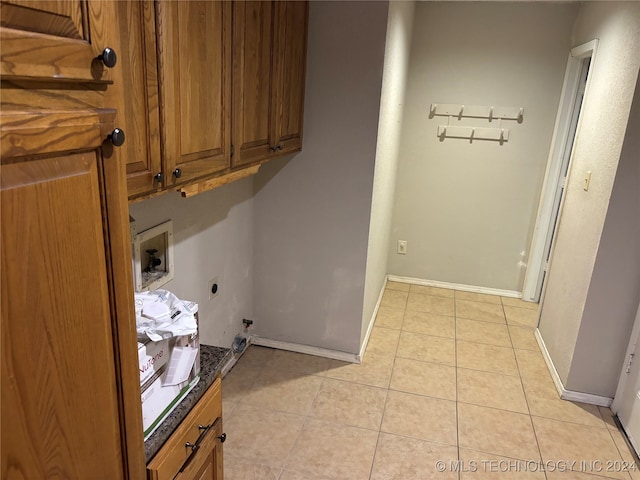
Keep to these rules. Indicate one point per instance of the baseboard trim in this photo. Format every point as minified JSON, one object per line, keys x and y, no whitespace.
{"x":234,"y":359}
{"x":308,"y":349}
{"x":456,"y":286}
{"x":365,"y":342}
{"x":229,"y":365}
{"x":598,"y":400}
{"x":565,"y":394}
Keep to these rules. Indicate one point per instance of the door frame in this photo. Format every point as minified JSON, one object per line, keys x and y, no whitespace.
{"x":548,"y":209}
{"x":634,"y":340}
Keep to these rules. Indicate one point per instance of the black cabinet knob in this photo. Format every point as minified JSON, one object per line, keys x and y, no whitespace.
{"x":116,"y":137}
{"x":280,"y":147}
{"x":108,"y":57}
{"x":177,"y":173}
{"x":222,"y":437}
{"x":158,"y":177}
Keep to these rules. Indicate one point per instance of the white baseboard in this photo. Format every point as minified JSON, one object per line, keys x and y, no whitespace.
{"x":456,"y":286}
{"x":234,"y":359}
{"x":229,"y":365}
{"x":308,"y":349}
{"x":565,"y":394}
{"x":365,"y":342}
{"x":598,"y":400}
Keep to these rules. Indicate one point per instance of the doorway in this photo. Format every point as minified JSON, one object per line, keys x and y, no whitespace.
{"x":567,"y":124}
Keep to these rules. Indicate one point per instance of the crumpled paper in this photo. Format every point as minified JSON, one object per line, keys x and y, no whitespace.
{"x":180,"y":319}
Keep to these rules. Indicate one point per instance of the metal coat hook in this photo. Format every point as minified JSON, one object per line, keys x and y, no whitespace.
{"x":520,"y":115}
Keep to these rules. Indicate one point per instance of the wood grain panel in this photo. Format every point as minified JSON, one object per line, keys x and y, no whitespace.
{"x":215,"y":182}
{"x":57,"y":350}
{"x":137,"y":98}
{"x":194,"y":50}
{"x":290,"y":65}
{"x":252,"y":81}
{"x":208,"y":464}
{"x":171,"y":457}
{"x":60,"y":18}
{"x":40,"y":132}
{"x":21,"y":95}
{"x":28,"y":51}
{"x":115,"y":214}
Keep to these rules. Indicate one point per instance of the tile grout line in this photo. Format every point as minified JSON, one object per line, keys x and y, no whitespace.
{"x":386,"y":398}
{"x":526,"y":399}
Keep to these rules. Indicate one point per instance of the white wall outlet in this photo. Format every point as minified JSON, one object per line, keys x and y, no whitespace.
{"x":402,"y":247}
{"x":213,"y":288}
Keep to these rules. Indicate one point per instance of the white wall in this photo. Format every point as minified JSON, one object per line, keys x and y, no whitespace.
{"x":311,"y":215}
{"x":597,"y":148}
{"x":394,"y":78}
{"x":213,"y":236}
{"x":614,"y":292}
{"x":467,"y":209}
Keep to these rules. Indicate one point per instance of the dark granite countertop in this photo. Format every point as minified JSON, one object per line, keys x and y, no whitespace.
{"x":212,"y":359}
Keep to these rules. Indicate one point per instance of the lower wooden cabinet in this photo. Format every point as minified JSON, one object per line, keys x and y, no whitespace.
{"x":194,"y":451}
{"x":69,"y":406}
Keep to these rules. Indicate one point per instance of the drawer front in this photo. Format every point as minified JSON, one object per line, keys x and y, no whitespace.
{"x":170,"y":458}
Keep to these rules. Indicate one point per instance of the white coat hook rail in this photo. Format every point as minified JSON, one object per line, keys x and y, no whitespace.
{"x":473,"y":133}
{"x":476,"y":111}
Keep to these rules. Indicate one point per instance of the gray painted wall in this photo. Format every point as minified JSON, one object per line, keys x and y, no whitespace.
{"x":212,"y":238}
{"x":396,"y":63}
{"x":467,"y":209}
{"x":311,"y":214}
{"x":598,"y":147}
{"x":614,"y":292}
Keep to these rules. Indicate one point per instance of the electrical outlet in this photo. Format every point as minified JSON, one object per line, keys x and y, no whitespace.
{"x":402,"y":247}
{"x":213,"y":288}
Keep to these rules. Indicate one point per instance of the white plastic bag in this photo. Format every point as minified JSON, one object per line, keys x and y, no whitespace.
{"x":166,"y":315}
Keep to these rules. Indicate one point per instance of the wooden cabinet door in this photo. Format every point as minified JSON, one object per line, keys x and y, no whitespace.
{"x":60,"y":409}
{"x":289,"y":66}
{"x":207,"y":463}
{"x":252,"y":81}
{"x":55,"y":39}
{"x":194,"y":50}
{"x":136,"y":98}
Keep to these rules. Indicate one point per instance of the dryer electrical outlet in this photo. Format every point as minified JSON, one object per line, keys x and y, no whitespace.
{"x":213,"y":287}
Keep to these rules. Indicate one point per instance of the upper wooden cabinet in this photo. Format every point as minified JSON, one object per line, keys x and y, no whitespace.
{"x":194,"y":55}
{"x":269,"y":57}
{"x":290,"y":59}
{"x":210,"y":88}
{"x":137,"y":97}
{"x":60,"y":40}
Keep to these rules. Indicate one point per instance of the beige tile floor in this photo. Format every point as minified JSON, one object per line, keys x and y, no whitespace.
{"x":451,"y":381}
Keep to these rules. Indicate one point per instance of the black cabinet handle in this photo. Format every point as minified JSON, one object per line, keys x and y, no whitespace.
{"x":116,"y":137}
{"x":177,"y":173}
{"x":108,"y":57}
{"x":204,"y":429}
{"x":222,"y":438}
{"x":158,"y":177}
{"x":280,"y":147}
